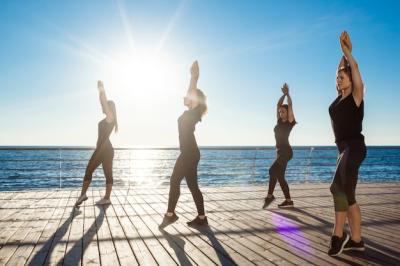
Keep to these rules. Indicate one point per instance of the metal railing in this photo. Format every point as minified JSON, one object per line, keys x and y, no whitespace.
{"x":31,"y":167}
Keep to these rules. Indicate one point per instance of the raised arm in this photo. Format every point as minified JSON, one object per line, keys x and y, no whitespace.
{"x":358,"y":86}
{"x":285,"y":91}
{"x":290,"y":109}
{"x":280,"y":102}
{"x":103,"y":102}
{"x":194,"y":71}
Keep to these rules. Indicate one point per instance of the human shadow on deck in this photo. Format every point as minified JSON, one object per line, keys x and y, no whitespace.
{"x":178,"y":245}
{"x":374,"y":252}
{"x":223,"y":255}
{"x":42,"y":255}
{"x":70,"y":258}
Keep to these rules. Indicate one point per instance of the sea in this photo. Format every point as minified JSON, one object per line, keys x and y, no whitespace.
{"x":26,"y":168}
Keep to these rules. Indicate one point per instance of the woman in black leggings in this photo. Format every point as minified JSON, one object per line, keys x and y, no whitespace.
{"x":284,"y":151}
{"x":104,"y":152}
{"x":186,"y":164}
{"x":347,"y":112}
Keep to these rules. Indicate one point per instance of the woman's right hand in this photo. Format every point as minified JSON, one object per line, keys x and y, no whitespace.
{"x":100,"y":85}
{"x":345,"y":42}
{"x":285,"y":88}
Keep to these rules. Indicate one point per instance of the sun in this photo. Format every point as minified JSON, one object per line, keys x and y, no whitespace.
{"x":143,"y":77}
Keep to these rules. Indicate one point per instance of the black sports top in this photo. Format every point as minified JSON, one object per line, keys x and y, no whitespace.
{"x":346,"y":118}
{"x":186,"y":127}
{"x":104,"y":131}
{"x":282,"y":132}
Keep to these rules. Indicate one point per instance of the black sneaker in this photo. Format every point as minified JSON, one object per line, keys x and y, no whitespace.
{"x":167,"y":220}
{"x":198,"y":222}
{"x":337,"y":244}
{"x":352,"y":245}
{"x":268,"y":201}
{"x":286,"y":204}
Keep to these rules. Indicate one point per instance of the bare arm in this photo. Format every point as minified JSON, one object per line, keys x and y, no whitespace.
{"x":342,"y":64}
{"x":290,"y":109}
{"x":103,"y":102}
{"x":280,"y":102}
{"x":358,"y":86}
{"x":194,"y":71}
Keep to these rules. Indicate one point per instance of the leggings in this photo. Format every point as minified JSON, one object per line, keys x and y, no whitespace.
{"x":277,"y":172}
{"x":104,"y":157}
{"x":343,"y":186}
{"x":186,"y":167}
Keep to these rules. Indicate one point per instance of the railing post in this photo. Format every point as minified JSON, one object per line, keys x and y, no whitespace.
{"x":254,"y":161}
{"x":308,"y":171}
{"x":59,"y":157}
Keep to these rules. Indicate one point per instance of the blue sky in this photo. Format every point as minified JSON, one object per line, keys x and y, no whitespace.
{"x":53,"y":52}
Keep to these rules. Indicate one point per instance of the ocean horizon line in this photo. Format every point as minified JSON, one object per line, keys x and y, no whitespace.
{"x":211,"y":147}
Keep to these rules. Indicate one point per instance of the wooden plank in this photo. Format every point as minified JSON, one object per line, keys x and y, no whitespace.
{"x":156,"y":248}
{"x":74,"y":245}
{"x":38,"y":222}
{"x":124,"y":251}
{"x":44,"y":246}
{"x":39,"y":230}
{"x":108,"y":254}
{"x":139,"y":247}
{"x":90,"y":249}
{"x":170,"y":241}
{"x":59,"y":243}
{"x":21,"y":232}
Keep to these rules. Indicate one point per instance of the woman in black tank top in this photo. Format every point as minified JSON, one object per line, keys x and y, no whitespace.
{"x":284,"y":153}
{"x":347,"y":113}
{"x":104,"y":152}
{"x":186,"y":164}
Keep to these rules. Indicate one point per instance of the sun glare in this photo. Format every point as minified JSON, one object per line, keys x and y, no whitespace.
{"x":142,"y":77}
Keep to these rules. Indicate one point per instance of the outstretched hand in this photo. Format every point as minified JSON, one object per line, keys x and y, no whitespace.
{"x":345,"y":42}
{"x":100,"y":85}
{"x":194,"y":69}
{"x":285,"y":88}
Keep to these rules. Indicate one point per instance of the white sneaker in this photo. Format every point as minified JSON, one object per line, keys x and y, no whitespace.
{"x":81,"y":199}
{"x":103,"y":201}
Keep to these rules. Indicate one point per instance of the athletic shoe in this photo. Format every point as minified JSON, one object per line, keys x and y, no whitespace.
{"x":286,"y":204}
{"x":167,"y":220}
{"x":352,"y":245}
{"x":198,"y":222}
{"x":81,"y":199}
{"x":337,"y":244}
{"x":103,"y":201}
{"x":268,"y":201}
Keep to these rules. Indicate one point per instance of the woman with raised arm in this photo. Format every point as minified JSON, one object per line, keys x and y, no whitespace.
{"x":186,"y":164}
{"x":285,"y":123}
{"x":104,"y":153}
{"x":347,"y":113}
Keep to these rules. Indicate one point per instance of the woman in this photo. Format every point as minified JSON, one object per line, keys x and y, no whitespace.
{"x":286,"y":121}
{"x":186,"y":164}
{"x":347,"y":113}
{"x":104,"y":152}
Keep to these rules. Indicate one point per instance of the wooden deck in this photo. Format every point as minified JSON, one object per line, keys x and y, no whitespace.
{"x":42,"y":227}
